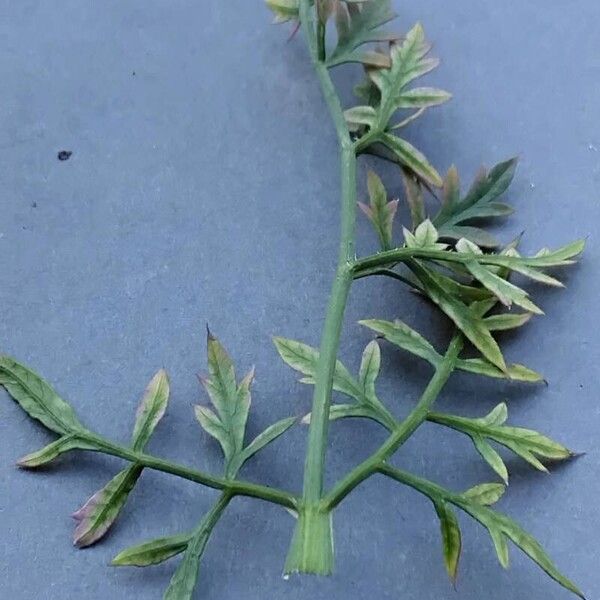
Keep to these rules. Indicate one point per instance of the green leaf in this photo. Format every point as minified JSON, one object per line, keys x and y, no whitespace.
{"x":358,"y":25}
{"x":490,"y":456}
{"x":151,"y":409}
{"x":464,"y":318}
{"x":304,"y":358}
{"x":412,"y":158}
{"x":505,"y":291}
{"x":526,"y":443}
{"x":52,"y":451}
{"x":183,"y":582}
{"x":380,"y":212}
{"x":358,"y":116}
{"x":98,"y":514}
{"x":284,"y":10}
{"x":152,"y":552}
{"x":422,"y":97}
{"x":507,"y":321}
{"x":500,"y":526}
{"x":231,"y":401}
{"x":360,"y":411}
{"x":516,"y":372}
{"x":37,"y":398}
{"x":451,"y":538}
{"x":485,"y":493}
{"x":269,"y":435}
{"x":403,"y":336}
{"x":480,"y":202}
{"x":369,"y":370}
{"x":409,"y":61}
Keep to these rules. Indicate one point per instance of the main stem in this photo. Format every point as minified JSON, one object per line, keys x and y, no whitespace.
{"x":311,"y":550}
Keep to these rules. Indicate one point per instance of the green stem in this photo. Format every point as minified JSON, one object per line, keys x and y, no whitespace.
{"x":234,"y":487}
{"x":403,"y":430}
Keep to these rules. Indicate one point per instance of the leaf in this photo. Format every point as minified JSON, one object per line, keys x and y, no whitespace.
{"x":526,"y":443}
{"x":380,"y":212}
{"x":304,"y":358}
{"x":151,"y":409}
{"x":98,"y":514}
{"x":369,"y":370}
{"x":37,"y":398}
{"x":269,"y":435}
{"x":152,"y":552}
{"x":480,"y":202}
{"x":412,"y":158}
{"x":414,"y":197}
{"x":403,"y":336}
{"x":357,"y":26}
{"x":183,"y":582}
{"x":359,"y":115}
{"x":465,"y":319}
{"x":516,"y":372}
{"x":284,"y":10}
{"x":451,"y":539}
{"x":490,"y":456}
{"x":422,"y":97}
{"x":408,"y":63}
{"x":485,"y":493}
{"x":346,"y":411}
{"x":231,"y":401}
{"x":499,"y":525}
{"x":505,"y":291}
{"x":52,"y":451}
{"x":507,"y":321}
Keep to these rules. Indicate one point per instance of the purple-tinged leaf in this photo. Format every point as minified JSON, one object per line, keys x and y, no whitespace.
{"x":380,"y":212}
{"x":98,"y":514}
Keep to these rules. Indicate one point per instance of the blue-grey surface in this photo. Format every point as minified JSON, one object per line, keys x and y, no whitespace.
{"x":203,"y":187}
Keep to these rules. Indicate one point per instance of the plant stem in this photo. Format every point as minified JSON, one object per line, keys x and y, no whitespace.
{"x":233,"y":486}
{"x":402,"y":432}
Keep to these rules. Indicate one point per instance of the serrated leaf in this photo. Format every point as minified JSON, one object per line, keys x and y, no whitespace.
{"x":380,"y":212}
{"x":451,"y":538}
{"x":37,"y":398}
{"x":357,"y":27}
{"x":465,"y":319}
{"x":408,"y":63}
{"x":52,"y":451}
{"x":480,"y":202}
{"x":284,"y":10}
{"x":485,"y":493}
{"x":151,"y":409}
{"x":526,"y":443}
{"x":153,"y":552}
{"x":269,"y":435}
{"x":412,"y":158}
{"x":98,"y":514}
{"x":231,"y":402}
{"x":403,"y":336}
{"x":497,"y":524}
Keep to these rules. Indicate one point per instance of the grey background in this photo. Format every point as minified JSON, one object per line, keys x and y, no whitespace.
{"x":203,"y":188}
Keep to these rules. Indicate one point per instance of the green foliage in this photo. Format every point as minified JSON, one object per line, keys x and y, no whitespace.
{"x":445,"y":258}
{"x":232,"y":403}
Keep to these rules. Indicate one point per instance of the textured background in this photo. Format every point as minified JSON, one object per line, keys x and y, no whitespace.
{"x":203,"y":187}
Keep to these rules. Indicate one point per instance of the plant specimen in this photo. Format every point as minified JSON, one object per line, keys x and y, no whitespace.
{"x":447,"y":257}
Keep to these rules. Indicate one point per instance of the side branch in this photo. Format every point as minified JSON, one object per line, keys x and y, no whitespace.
{"x":402,"y":432}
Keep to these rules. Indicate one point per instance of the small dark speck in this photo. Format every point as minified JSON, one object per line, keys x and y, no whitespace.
{"x":581,"y":386}
{"x":133,"y":74}
{"x":64,"y":155}
{"x":34,"y":205}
